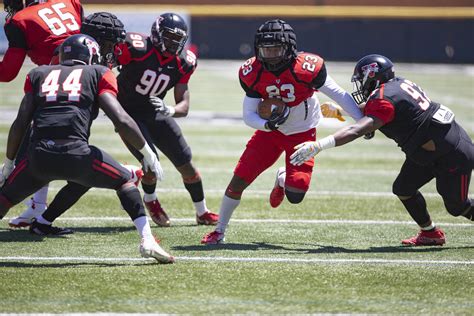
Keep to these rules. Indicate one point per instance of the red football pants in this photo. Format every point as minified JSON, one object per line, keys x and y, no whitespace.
{"x":263,"y":150}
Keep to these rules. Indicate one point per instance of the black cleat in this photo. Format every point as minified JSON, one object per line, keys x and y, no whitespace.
{"x":43,"y":229}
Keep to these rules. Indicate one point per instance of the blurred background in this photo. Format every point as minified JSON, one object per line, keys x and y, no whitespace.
{"x":421,"y":31}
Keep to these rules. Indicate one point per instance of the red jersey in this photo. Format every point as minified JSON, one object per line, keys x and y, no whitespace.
{"x":36,"y":31}
{"x":295,"y":84}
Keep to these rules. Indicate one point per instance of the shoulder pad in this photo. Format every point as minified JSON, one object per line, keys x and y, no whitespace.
{"x":138,"y":44}
{"x":188,"y":61}
{"x":307,"y":66}
{"x":249,"y":70}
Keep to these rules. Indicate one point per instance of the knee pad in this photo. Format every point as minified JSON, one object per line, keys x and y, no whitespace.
{"x":399,"y":190}
{"x":294,"y":197}
{"x":458,"y":208}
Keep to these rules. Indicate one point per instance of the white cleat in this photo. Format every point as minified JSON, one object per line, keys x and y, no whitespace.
{"x":151,"y":249}
{"x":24,"y":220}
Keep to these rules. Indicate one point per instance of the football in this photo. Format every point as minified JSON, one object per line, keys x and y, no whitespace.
{"x":268,"y":106}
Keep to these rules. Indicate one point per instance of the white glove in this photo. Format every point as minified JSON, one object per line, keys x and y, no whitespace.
{"x":307,"y":150}
{"x":7,"y":169}
{"x":332,"y":110}
{"x":160,"y":106}
{"x":304,"y":152}
{"x":150,"y":162}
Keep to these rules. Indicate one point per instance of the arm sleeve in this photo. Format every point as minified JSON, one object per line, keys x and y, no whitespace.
{"x":250,"y":115}
{"x":11,"y":63}
{"x":341,"y":97}
{"x":108,"y":83}
{"x":381,"y":109}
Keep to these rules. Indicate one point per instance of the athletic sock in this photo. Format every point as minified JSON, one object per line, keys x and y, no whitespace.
{"x":228,"y":206}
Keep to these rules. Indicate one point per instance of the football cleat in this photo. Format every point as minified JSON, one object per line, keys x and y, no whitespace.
{"x":151,"y":249}
{"x":24,"y":220}
{"x":207,"y":218}
{"x":213,"y":238}
{"x":44,"y":230}
{"x":426,"y":238}
{"x":137,"y":174}
{"x":157,"y":213}
{"x":278,"y":193}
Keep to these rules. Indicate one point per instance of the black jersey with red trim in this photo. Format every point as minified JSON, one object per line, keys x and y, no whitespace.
{"x":294,"y":84}
{"x":40,"y":28}
{"x":66,"y":99}
{"x":408,"y":116}
{"x":146,"y":72}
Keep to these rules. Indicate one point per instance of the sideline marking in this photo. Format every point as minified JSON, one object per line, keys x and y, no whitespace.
{"x":252,"y":259}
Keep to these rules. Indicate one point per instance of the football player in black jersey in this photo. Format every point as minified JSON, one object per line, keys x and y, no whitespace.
{"x":435,"y":145}
{"x":150,"y":67}
{"x":62,"y":101}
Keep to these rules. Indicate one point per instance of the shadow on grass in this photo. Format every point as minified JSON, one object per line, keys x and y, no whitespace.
{"x":23,"y":235}
{"x":314,"y":248}
{"x":18,"y":264}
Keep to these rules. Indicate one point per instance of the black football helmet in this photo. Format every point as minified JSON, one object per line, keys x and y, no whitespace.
{"x":275,"y":44}
{"x":79,"y":48}
{"x":13,"y":6}
{"x":369,"y":73}
{"x":107,"y":30}
{"x":169,"y":33}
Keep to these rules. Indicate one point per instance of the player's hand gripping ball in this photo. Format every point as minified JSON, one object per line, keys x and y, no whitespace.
{"x":269,"y":106}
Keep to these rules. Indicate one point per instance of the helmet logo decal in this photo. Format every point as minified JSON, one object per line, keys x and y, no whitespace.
{"x":370,"y":70}
{"x":93,"y":47}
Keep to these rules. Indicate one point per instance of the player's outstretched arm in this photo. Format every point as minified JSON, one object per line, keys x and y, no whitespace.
{"x":182,"y":99}
{"x":129,"y":131}
{"x":307,"y":150}
{"x":20,"y":125}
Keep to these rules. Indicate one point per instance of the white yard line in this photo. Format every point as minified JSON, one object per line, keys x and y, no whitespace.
{"x":250,"y":259}
{"x":264,"y":221}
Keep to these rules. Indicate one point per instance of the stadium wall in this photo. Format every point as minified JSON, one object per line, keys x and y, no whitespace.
{"x":340,"y":33}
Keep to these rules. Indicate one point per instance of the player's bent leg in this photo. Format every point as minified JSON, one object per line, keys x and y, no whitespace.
{"x":193,"y":184}
{"x":230,"y":202}
{"x":277,"y":195}
{"x":35,"y":207}
{"x":131,"y":201}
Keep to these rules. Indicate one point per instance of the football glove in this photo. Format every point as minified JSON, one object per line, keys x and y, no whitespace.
{"x":150,"y":162}
{"x":304,"y":152}
{"x":7,"y":169}
{"x":277,"y":119}
{"x":160,"y":106}
{"x":332,"y":110}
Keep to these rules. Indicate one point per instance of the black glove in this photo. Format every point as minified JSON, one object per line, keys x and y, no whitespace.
{"x":160,"y":107}
{"x":277,"y":119}
{"x":369,"y":135}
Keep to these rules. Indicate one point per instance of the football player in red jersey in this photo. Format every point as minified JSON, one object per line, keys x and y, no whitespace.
{"x":36,"y":28}
{"x":435,"y":145}
{"x":62,"y":101}
{"x":150,"y":67}
{"x":278,"y":70}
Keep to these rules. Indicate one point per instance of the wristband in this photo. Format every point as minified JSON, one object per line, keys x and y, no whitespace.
{"x":147,"y":152}
{"x":171,"y":110}
{"x":327,"y":142}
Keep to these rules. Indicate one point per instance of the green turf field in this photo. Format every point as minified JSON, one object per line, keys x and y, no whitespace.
{"x":336,"y":252}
